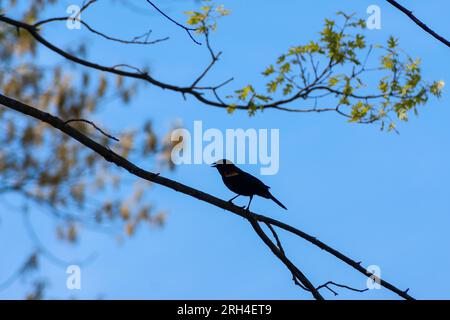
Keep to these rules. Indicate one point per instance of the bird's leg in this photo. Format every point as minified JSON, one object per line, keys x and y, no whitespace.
{"x":231,"y":200}
{"x":250,"y":201}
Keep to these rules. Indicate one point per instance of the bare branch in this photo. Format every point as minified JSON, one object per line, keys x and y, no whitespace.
{"x":111,"y":156}
{"x":296,"y":273}
{"x":83,"y":8}
{"x":135,"y":40}
{"x":329,"y":283}
{"x":294,"y":278}
{"x":188,"y":30}
{"x":419,"y":22}
{"x":94,"y":125}
{"x":184,"y":90}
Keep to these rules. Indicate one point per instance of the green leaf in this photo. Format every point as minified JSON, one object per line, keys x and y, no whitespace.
{"x":392,"y":42}
{"x":243,"y":93}
{"x":333,"y":81}
{"x":268,"y":71}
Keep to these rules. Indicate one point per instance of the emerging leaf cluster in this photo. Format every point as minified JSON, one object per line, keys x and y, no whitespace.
{"x":335,"y":69}
{"x":205,"y":19}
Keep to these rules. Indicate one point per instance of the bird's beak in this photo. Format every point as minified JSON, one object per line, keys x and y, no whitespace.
{"x":214,"y":165}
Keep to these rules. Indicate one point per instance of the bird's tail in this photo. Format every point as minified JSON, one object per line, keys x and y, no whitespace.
{"x":277,"y":202}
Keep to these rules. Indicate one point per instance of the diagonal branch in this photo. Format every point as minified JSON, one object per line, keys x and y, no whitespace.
{"x":330,"y":283}
{"x":325,"y":285}
{"x":66,"y":18}
{"x":110,"y":156}
{"x":184,"y":90}
{"x":352,"y":263}
{"x":136,"y":75}
{"x":95,"y":126}
{"x":188,"y":30}
{"x":135,"y":40}
{"x":419,"y":22}
{"x":279,"y":253}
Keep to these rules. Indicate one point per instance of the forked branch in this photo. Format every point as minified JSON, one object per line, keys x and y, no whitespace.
{"x":253,"y":218}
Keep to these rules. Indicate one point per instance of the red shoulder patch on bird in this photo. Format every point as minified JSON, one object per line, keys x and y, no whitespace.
{"x":230,"y":172}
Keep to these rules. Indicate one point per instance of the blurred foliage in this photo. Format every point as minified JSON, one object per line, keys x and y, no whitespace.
{"x":54,"y":173}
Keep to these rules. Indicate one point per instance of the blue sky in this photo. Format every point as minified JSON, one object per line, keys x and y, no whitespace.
{"x":379,"y":197}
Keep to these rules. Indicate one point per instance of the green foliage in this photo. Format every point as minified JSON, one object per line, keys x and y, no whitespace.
{"x":335,"y":68}
{"x":205,"y":19}
{"x":58,"y":175}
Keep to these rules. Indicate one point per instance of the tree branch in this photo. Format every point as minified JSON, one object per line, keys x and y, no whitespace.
{"x":77,"y":17}
{"x":419,"y":22}
{"x":184,"y":90}
{"x":188,"y":30}
{"x":110,"y":156}
{"x":94,"y":125}
{"x":325,"y":285}
{"x":135,"y":40}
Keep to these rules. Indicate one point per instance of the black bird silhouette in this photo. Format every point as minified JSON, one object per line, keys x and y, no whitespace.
{"x":243,"y":183}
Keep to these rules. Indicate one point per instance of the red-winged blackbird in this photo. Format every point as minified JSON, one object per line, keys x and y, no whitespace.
{"x":243,"y":183}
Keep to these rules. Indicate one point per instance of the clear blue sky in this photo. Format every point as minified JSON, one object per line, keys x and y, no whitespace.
{"x":378,"y":197}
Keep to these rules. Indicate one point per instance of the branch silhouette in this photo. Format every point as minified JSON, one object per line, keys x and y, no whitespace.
{"x":419,"y":22}
{"x":254,"y":219}
{"x":187,"y":29}
{"x":394,"y":96}
{"x":95,"y":126}
{"x":135,"y":40}
{"x":198,"y":92}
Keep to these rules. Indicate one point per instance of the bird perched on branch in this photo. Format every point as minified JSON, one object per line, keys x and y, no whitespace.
{"x":243,"y":183}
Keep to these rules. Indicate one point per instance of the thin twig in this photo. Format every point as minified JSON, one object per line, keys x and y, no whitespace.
{"x":327,"y":286}
{"x":294,"y":278}
{"x":94,"y":125}
{"x":296,"y":273}
{"x":419,"y":22}
{"x":253,"y":218}
{"x":188,"y":90}
{"x":187,"y":29}
{"x":103,"y":35}
{"x":83,"y":8}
